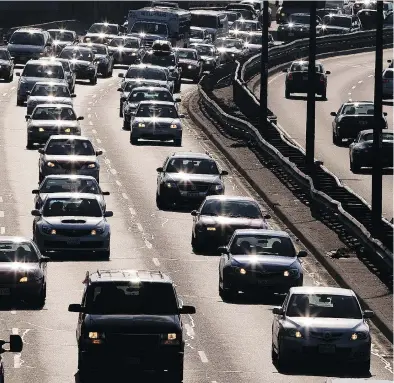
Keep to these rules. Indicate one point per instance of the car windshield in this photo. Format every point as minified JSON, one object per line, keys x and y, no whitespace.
{"x":262,"y":245}
{"x":303,"y":67}
{"x":159,"y":59}
{"x":99,"y":49}
{"x":385,"y":137}
{"x":323,"y":306}
{"x":127,"y":43}
{"x":299,"y":19}
{"x":192,"y":166}
{"x":229,"y":44}
{"x":62,"y":36}
{"x":4,"y":55}
{"x":27,"y":38}
{"x":72,"y":207}
{"x":66,"y":147}
{"x":157,"y":111}
{"x":186,"y":54}
{"x":17,"y":252}
{"x":137,"y":298}
{"x":147,"y":73}
{"x":102,"y":28}
{"x":205,"y":21}
{"x":77,"y":54}
{"x":70,"y":185}
{"x":196,"y":33}
{"x":45,"y":71}
{"x":358,"y":109}
{"x":344,"y":22}
{"x":146,"y":95}
{"x":150,"y":28}
{"x":204,"y":50}
{"x":243,"y":25}
{"x":54,"y":113}
{"x":231,"y":208}
{"x":255,"y":39}
{"x":50,"y":90}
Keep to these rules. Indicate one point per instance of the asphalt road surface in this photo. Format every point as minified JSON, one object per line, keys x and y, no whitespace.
{"x":226,"y":343}
{"x":352,"y":77}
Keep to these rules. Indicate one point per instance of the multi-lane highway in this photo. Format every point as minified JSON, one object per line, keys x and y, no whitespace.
{"x":352,"y":77}
{"x":226,"y":343}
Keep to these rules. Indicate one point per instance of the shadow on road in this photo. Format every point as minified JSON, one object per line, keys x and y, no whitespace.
{"x":123,"y":377}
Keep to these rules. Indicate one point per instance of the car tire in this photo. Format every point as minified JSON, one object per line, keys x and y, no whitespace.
{"x":126,"y":124}
{"x":42,"y":297}
{"x":93,"y":81}
{"x":196,"y":244}
{"x":324,"y":95}
{"x":10,"y":77}
{"x":274,"y":356}
{"x":178,"y":141}
{"x":133,"y":140}
{"x":161,"y":205}
{"x":354,"y":168}
{"x":228,"y":294}
{"x":29,"y":145}
{"x":335,"y":139}
{"x":19,"y":102}
{"x":287,"y":93}
{"x":121,"y":109}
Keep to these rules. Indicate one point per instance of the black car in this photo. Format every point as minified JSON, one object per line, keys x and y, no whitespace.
{"x":23,"y":272}
{"x":297,"y":79}
{"x":62,"y":38}
{"x":368,"y":18}
{"x":190,"y":63}
{"x":6,"y":65}
{"x":321,"y":12}
{"x":258,"y":260}
{"x":353,"y":117}
{"x":126,"y":50}
{"x":219,"y":216}
{"x":130,"y":320}
{"x":82,"y":61}
{"x":361,"y":150}
{"x":188,"y":177}
{"x":209,"y":55}
{"x":105,"y":61}
{"x":339,"y":24}
{"x":230,"y":48}
{"x":297,"y":27}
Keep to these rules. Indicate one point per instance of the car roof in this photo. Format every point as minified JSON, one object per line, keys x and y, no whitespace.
{"x":55,"y":106}
{"x":69,"y":176}
{"x":191,"y":155}
{"x":14,"y":239}
{"x":106,"y":24}
{"x":151,"y":88}
{"x":230,"y":198}
{"x":69,"y":137}
{"x":128,"y":275}
{"x":50,"y":83}
{"x":305,"y":61}
{"x":274,"y":233}
{"x":30,"y":30}
{"x":72,"y":195}
{"x":358,"y":102}
{"x":60,"y":30}
{"x":164,"y":103}
{"x":322,"y":290}
{"x":43,"y":62}
{"x":77,"y":48}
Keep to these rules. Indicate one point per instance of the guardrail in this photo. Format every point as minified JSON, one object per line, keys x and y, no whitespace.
{"x":325,"y":191}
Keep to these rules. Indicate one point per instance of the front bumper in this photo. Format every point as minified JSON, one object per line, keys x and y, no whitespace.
{"x":190,"y":72}
{"x":366,"y":160}
{"x":175,"y":195}
{"x":46,"y":171}
{"x":42,"y":137}
{"x":157,"y":134}
{"x":17,"y":291}
{"x":85,"y":74}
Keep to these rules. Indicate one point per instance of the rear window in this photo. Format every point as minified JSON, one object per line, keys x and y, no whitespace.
{"x":303,"y":67}
{"x":66,"y":185}
{"x":27,"y":38}
{"x":358,"y":109}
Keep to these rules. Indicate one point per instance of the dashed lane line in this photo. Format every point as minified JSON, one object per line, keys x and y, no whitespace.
{"x":2,"y":230}
{"x":1,"y":214}
{"x":113,"y":171}
{"x":125,"y":196}
{"x":203,"y":357}
{"x":156,"y":262}
{"x":1,"y":199}
{"x":118,"y":183}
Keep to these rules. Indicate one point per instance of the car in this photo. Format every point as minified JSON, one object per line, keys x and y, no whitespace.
{"x":48,"y":120}
{"x":161,"y":46}
{"x":232,"y":16}
{"x":83,"y":63}
{"x":339,"y":24}
{"x":6,"y":65}
{"x":230,"y":48}
{"x":199,"y":35}
{"x":72,"y":222}
{"x":254,"y":42}
{"x":353,"y":117}
{"x":190,"y":63}
{"x":361,"y":152}
{"x":62,"y":38}
{"x":126,"y":50}
{"x":64,"y":154}
{"x":130,"y":320}
{"x":188,"y":177}
{"x":37,"y":70}
{"x":101,"y":33}
{"x":321,"y":323}
{"x":21,"y":258}
{"x":49,"y":92}
{"x":368,"y":18}
{"x":167,"y":60}
{"x":242,"y":25}
{"x":156,"y":120}
{"x":68,"y":71}
{"x":321,"y":12}
{"x":15,"y":345}
{"x":247,"y":11}
{"x":219,"y":216}
{"x":297,"y":27}
{"x":144,"y":93}
{"x":259,"y":261}
{"x":388,"y":21}
{"x":297,"y":78}
{"x":208,"y":54}
{"x":29,"y":43}
{"x":105,"y":61}
{"x":68,"y":183}
{"x":388,"y":83}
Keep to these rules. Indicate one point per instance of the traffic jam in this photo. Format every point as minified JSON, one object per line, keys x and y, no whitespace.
{"x":142,"y":319}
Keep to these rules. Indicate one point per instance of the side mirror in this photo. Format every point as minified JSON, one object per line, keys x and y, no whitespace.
{"x":73,"y":95}
{"x":80,"y":118}
{"x":194,"y":213}
{"x":384,"y":113}
{"x":119,"y":90}
{"x":368,"y":314}
{"x":277,"y":311}
{"x":75,"y":308}
{"x":121,"y":75}
{"x":35,"y":191}
{"x":45,"y":259}
{"x":302,"y":254}
{"x":267,"y":216}
{"x":284,"y":70}
{"x":187,"y":310}
{"x":222,"y":250}
{"x":182,"y":115}
{"x":224,"y":173}
{"x":106,"y":193}
{"x":333,"y":114}
{"x":16,"y":343}
{"x":177,"y":99}
{"x":328,"y":72}
{"x":17,"y":74}
{"x":27,"y":117}
{"x":36,"y":213}
{"x":41,"y":151}
{"x":108,"y":214}
{"x":99,"y":152}
{"x":159,"y":170}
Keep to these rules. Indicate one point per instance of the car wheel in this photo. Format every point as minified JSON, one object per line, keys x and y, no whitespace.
{"x":93,"y":81}
{"x":121,"y":109}
{"x":126,"y":124}
{"x":287,"y":93}
{"x":178,"y":141}
{"x":10,"y":77}
{"x":29,"y":145}
{"x":335,"y":139}
{"x":19,"y":102}
{"x":228,"y":294}
{"x":133,"y":140}
{"x":354,"y":168}
{"x":161,"y":205}
{"x":274,"y":355}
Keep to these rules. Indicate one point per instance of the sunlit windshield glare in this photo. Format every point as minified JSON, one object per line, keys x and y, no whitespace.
{"x":69,"y":207}
{"x":70,"y":147}
{"x":192,"y":166}
{"x":17,"y":252}
{"x":230,"y":208}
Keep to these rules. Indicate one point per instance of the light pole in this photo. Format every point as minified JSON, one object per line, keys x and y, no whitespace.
{"x":264,"y":70}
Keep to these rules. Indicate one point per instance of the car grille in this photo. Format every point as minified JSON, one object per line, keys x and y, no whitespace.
{"x":71,"y":165}
{"x":73,"y":232}
{"x":132,"y":343}
{"x":326,"y":335}
{"x":313,"y":351}
{"x":194,"y":187}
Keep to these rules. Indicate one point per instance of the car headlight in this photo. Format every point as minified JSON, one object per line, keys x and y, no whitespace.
{"x":23,"y":279}
{"x":141,"y":125}
{"x":217,"y":188}
{"x":190,"y":67}
{"x":98,"y":230}
{"x":170,"y":185}
{"x":359,"y":335}
{"x":242,"y":271}
{"x":170,"y":339}
{"x":294,"y":333}
{"x":91,"y":166}
{"x":96,"y":337}
{"x":50,"y":164}
{"x":291,"y":273}
{"x":67,"y":130}
{"x":173,"y":126}
{"x":211,"y":228}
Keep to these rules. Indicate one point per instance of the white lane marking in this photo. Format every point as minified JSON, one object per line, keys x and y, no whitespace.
{"x":13,"y":88}
{"x":360,"y":81}
{"x":15,"y":331}
{"x":148,"y":244}
{"x":98,"y":140}
{"x":90,"y":122}
{"x":203,"y":357}
{"x":107,"y":161}
{"x":13,"y":312}
{"x":371,"y":75}
{"x":118,"y":183}
{"x":1,"y":199}
{"x":1,"y":214}
{"x":89,"y":109}
{"x":89,"y":116}
{"x":113,"y":171}
{"x":156,"y":263}
{"x":354,"y":87}
{"x":189,"y":330}
{"x":124,"y":195}
{"x":2,"y":230}
{"x":132,"y":211}
{"x":90,"y":102}
{"x":94,"y":95}
{"x":349,"y":94}
{"x":94,"y":131}
{"x":5,"y":94}
{"x":140,"y":228}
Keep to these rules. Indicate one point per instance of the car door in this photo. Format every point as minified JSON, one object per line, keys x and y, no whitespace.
{"x":81,"y":316}
{"x":277,"y":321}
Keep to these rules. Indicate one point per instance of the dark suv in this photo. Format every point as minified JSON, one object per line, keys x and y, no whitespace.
{"x":130,"y":319}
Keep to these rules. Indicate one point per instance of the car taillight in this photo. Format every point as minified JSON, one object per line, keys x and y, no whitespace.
{"x":289,"y":76}
{"x":385,"y":81}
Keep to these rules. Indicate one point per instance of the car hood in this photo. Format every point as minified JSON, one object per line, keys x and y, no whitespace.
{"x":188,"y":62}
{"x":49,"y":100}
{"x":182,"y":177}
{"x":25,"y":48}
{"x":4,"y":62}
{"x":69,"y":158}
{"x":133,"y":324}
{"x":148,"y":82}
{"x":73,"y":222}
{"x":100,"y":35}
{"x":237,"y":222}
{"x":17,"y":267}
{"x":325,"y":323}
{"x":266,"y":262}
{"x":159,"y":121}
{"x":61,"y":123}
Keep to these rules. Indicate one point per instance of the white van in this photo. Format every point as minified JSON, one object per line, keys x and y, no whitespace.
{"x":215,"y":22}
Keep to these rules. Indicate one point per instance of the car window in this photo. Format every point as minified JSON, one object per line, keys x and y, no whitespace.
{"x":262,"y":245}
{"x":70,"y":147}
{"x":157,"y":111}
{"x":4,"y":55}
{"x":54,"y":113}
{"x":192,"y":166}
{"x":62,"y":35}
{"x":17,"y":252}
{"x":189,"y":55}
{"x":323,"y":306}
{"x":70,"y":207}
{"x":44,"y":71}
{"x":65,"y":185}
{"x":50,"y":90}
{"x":231,"y":208}
{"x":77,"y":54}
{"x":27,"y":38}
{"x":303,"y":67}
{"x":146,"y":73}
{"x":344,"y":22}
{"x":131,"y":298}
{"x":137,"y":96}
{"x":358,"y":109}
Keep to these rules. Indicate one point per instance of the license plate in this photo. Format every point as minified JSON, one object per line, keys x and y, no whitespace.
{"x":327,"y":349}
{"x":291,"y":34}
{"x":5,"y":291}
{"x":74,"y":241}
{"x":193,"y":194}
